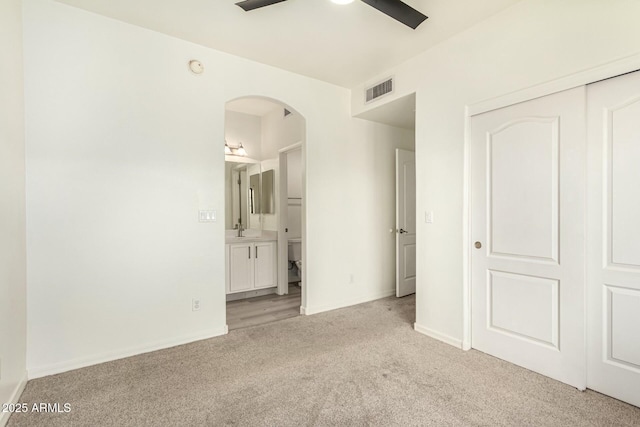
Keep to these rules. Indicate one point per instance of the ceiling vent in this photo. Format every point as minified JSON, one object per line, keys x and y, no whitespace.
{"x":374,"y":92}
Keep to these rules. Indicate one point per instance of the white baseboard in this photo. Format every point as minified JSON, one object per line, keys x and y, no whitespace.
{"x":15,"y":397}
{"x":438,"y":336}
{"x":349,"y":302}
{"x":58,"y":368}
{"x":303,"y":310}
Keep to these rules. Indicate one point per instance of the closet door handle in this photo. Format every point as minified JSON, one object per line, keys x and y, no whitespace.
{"x":249,"y":248}
{"x":256,"y":252}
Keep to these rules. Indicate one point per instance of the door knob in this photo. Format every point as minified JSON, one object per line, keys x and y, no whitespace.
{"x":478,"y":245}
{"x":402,"y":231}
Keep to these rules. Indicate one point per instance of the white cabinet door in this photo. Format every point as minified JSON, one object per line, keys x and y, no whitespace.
{"x":264,"y":264}
{"x":528,"y":196}
{"x":613,"y":287}
{"x":240,"y":267}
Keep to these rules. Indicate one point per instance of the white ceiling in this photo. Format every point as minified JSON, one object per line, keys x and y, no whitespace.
{"x":344,"y":45}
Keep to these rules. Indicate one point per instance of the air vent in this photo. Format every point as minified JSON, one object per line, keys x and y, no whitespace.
{"x":378,"y":90}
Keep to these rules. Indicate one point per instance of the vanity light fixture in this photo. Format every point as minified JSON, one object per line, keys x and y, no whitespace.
{"x":234,"y":151}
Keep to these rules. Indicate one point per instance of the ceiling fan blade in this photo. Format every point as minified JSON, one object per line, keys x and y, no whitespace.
{"x":398,"y":10}
{"x":248,"y":5}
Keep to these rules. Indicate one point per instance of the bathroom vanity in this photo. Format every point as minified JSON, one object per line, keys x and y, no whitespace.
{"x":251,"y":263}
{"x":250,"y":251}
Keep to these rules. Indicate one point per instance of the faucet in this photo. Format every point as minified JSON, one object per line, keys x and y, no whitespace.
{"x":240,"y":230}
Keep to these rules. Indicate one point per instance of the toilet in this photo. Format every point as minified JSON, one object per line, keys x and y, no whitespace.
{"x":295,"y":258}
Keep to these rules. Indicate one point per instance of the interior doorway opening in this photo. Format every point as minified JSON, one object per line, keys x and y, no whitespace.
{"x":258,"y":131}
{"x":401,"y":113}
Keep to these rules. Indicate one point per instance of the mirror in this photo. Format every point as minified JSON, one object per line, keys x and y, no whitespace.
{"x":268,"y":196}
{"x":242,"y":195}
{"x":254,"y":194}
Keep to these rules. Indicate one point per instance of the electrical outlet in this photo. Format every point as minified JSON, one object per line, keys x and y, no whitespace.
{"x":195,"y":304}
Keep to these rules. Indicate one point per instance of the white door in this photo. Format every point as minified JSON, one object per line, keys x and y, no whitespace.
{"x":613,"y":267}
{"x":527,"y":225}
{"x":405,"y":222}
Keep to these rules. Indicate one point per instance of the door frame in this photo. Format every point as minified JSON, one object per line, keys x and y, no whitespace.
{"x":281,"y":206}
{"x":601,"y":72}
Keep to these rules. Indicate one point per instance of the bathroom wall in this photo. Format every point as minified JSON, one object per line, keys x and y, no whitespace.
{"x":278,"y":132}
{"x":294,"y":192}
{"x":245,"y":128}
{"x":263,"y":137}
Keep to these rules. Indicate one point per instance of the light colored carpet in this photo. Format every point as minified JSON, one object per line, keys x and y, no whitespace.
{"x":362,"y":365}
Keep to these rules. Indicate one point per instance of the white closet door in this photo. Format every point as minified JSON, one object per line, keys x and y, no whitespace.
{"x":613,"y":268}
{"x":528,"y":199}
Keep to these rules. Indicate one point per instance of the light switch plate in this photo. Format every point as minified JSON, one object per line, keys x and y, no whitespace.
{"x":207,"y":216}
{"x":428,"y":217}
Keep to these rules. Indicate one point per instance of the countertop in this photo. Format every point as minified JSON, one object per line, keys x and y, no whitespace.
{"x":237,"y":239}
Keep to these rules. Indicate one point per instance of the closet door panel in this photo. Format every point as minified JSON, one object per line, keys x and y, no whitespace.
{"x":527,"y":222}
{"x":613,"y":229}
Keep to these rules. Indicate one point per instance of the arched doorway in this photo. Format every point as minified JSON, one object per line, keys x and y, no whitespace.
{"x":264,"y":211}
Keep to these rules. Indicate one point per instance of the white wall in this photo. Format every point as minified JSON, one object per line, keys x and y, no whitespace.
{"x":294,"y":194}
{"x":357,"y":197}
{"x":278,"y":132}
{"x":530,"y":43}
{"x":124,"y":145}
{"x":245,"y":128}
{"x":294,"y":173}
{"x":13,"y":315}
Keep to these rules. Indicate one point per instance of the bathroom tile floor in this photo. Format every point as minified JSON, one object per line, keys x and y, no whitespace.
{"x":265,"y":309}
